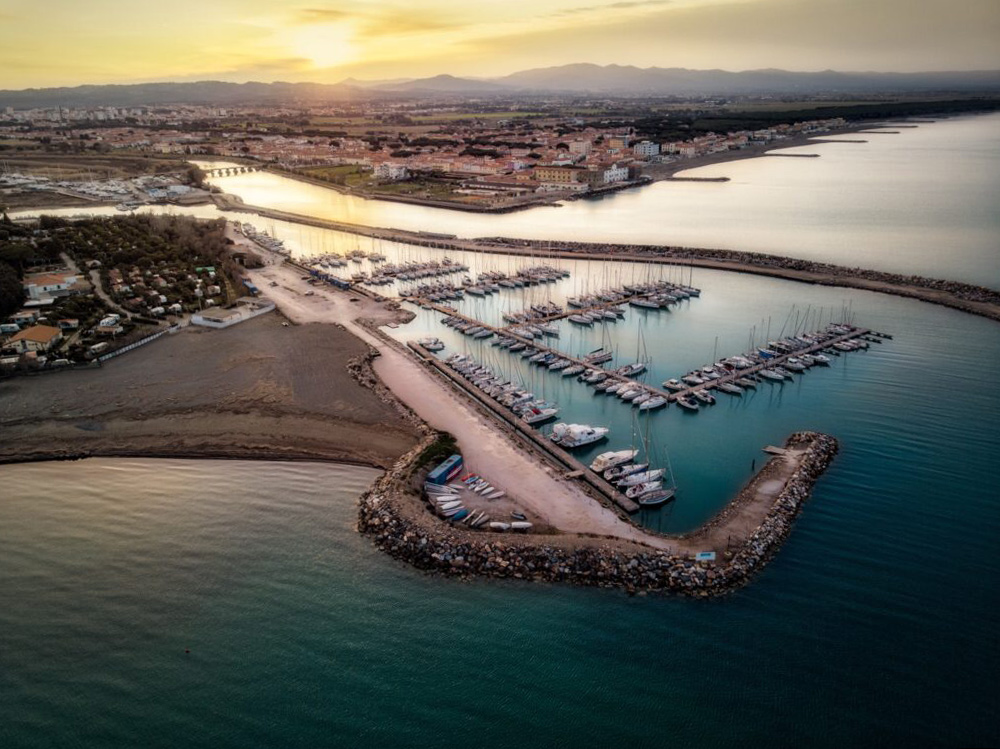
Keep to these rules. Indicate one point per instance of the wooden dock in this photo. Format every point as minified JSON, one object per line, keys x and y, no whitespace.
{"x":670,"y":395}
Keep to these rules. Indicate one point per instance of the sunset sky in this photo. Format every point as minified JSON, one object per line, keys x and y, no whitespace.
{"x":69,"y":42}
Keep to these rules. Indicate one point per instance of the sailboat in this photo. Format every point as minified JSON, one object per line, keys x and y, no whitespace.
{"x":647,"y":486}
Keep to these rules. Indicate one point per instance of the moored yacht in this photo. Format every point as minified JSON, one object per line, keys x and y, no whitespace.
{"x":577,"y":435}
{"x":612,"y":459}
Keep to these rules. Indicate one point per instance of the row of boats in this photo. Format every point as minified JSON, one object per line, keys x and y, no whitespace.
{"x":674,"y":292}
{"x":637,"y":480}
{"x":529,"y":408}
{"x":780,"y":361}
{"x":446,"y":500}
{"x":412,"y":271}
{"x":533,"y":313}
{"x":471,"y":329}
{"x":262,"y":238}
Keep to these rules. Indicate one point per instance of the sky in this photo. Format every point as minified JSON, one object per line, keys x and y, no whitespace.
{"x":72,"y":42}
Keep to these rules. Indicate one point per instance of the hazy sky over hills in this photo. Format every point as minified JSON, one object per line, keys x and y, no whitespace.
{"x":68,"y":42}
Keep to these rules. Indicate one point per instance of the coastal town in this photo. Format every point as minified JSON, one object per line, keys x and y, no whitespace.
{"x":486,"y":160}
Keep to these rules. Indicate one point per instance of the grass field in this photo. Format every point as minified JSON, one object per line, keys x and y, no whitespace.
{"x":89,"y":166}
{"x":349,"y":174}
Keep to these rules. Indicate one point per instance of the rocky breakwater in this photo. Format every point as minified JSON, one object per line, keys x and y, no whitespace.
{"x":395,"y":520}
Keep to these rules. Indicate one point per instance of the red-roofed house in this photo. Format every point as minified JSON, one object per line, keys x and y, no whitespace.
{"x":35,"y":338}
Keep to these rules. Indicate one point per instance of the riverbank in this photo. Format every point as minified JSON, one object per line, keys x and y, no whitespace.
{"x":389,"y":512}
{"x":534,"y":200}
{"x":651,"y":173}
{"x":976,"y":300}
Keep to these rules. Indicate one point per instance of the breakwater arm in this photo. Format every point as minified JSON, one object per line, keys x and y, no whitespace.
{"x":977,"y":300}
{"x":392,"y":514}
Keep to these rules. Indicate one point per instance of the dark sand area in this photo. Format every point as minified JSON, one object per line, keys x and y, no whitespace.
{"x":258,"y":389}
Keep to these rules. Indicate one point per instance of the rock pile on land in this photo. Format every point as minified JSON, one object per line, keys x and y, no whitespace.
{"x":438,"y":547}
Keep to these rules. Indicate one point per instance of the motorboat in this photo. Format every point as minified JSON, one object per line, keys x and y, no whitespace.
{"x":642,"y":477}
{"x":674,"y":385}
{"x":704,"y":396}
{"x":612,"y":459}
{"x":656,"y":401}
{"x":577,"y":435}
{"x":686,"y":403}
{"x":624,"y":470}
{"x":431,"y":344}
{"x":539,"y":415}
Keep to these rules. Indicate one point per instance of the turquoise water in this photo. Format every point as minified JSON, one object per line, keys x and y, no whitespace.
{"x":925,"y":386}
{"x":875,"y":624}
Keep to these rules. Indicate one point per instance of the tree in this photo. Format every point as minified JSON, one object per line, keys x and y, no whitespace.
{"x":11,"y":290}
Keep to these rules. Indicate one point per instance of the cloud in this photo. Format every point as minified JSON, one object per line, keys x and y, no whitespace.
{"x":386,"y":22}
{"x":322,"y":15}
{"x":622,"y":5}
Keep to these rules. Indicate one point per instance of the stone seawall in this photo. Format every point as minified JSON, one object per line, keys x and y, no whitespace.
{"x":388,"y":513}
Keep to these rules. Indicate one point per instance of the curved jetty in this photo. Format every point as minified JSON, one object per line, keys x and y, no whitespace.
{"x":392,"y":513}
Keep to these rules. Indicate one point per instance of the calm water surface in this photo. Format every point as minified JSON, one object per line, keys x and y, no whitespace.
{"x":919,"y":202}
{"x":923,"y":201}
{"x":876,"y":624}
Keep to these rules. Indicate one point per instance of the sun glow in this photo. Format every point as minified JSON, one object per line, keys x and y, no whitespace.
{"x":326,"y":45}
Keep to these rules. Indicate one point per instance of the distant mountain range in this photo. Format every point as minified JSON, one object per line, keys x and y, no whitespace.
{"x":629,"y":80}
{"x":580,"y":78}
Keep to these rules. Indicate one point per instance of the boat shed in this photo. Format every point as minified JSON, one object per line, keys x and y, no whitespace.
{"x":445,"y":471}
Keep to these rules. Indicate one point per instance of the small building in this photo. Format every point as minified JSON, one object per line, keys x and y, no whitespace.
{"x":646,"y":149}
{"x":391,"y":172}
{"x":48,"y":285}
{"x":245,"y":309}
{"x":24,"y":317}
{"x":35,"y":338}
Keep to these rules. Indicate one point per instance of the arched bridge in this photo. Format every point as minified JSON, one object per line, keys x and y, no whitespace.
{"x":229,"y":171}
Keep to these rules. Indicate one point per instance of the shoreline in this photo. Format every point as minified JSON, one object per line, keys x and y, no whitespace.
{"x":651,"y":174}
{"x":390,"y":515}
